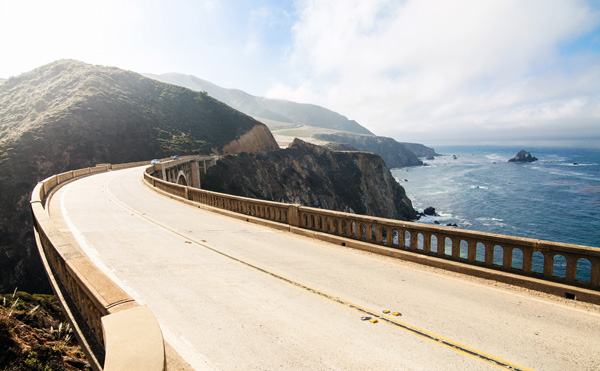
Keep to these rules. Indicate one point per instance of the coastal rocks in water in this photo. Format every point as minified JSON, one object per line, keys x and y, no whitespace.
{"x":523,"y":156}
{"x":430,"y":211}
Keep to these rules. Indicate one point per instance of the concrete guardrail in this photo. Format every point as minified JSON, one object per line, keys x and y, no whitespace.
{"x":519,"y":261}
{"x":115,"y":332}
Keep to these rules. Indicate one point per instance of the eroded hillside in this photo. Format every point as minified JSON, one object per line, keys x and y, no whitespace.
{"x":311,"y":175}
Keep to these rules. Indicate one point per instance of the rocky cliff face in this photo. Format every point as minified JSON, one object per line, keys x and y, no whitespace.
{"x":258,"y":139}
{"x":311,"y":175}
{"x":393,"y":153}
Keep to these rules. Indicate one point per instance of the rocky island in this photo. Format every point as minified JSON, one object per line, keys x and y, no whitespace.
{"x":523,"y":156}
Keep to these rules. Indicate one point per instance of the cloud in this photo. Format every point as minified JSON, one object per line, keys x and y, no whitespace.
{"x":423,"y":69}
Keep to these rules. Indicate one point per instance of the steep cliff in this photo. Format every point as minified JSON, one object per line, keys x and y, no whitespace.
{"x":68,"y":115}
{"x":393,"y":153}
{"x":311,"y":175}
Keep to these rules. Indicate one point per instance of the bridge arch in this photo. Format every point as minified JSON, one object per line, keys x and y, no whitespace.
{"x":181,"y":178}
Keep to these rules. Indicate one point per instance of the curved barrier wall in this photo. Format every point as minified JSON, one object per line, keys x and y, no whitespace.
{"x":525,"y":262}
{"x":115,"y":332}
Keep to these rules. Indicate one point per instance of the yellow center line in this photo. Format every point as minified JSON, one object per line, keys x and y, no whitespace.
{"x":422,"y":333}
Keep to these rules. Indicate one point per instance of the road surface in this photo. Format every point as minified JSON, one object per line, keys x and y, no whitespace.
{"x":229,"y":294}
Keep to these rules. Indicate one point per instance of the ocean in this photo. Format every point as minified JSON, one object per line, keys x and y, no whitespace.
{"x":556,"y":198}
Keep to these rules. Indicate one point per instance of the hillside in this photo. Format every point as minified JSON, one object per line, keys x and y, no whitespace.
{"x":34,"y":335}
{"x":356,"y":182}
{"x":68,"y":115}
{"x":277,"y":110}
{"x":288,"y":120}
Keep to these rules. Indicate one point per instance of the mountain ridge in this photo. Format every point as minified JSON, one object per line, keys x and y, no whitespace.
{"x":266,"y":108}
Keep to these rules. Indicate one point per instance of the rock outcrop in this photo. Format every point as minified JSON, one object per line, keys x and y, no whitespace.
{"x":311,"y":175}
{"x":523,"y":156}
{"x":394,"y":154}
{"x":258,"y":139}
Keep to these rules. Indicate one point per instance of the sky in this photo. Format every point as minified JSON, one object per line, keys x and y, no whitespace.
{"x":436,"y":72}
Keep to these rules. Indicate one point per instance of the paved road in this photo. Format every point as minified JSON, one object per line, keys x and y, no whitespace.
{"x":231,"y":295}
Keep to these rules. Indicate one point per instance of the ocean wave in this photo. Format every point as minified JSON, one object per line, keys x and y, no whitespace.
{"x":575,"y":164}
{"x":492,"y":222}
{"x":496,"y":157}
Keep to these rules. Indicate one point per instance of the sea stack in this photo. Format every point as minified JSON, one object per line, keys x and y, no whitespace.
{"x":523,"y":156}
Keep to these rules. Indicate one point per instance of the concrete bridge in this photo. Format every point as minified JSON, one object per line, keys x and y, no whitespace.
{"x":185,"y":170}
{"x":159,"y":275}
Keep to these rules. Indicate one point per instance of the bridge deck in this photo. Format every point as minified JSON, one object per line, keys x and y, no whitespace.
{"x":229,"y":294}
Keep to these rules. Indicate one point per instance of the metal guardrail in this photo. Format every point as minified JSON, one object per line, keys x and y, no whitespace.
{"x":521,"y":261}
{"x":115,"y":332}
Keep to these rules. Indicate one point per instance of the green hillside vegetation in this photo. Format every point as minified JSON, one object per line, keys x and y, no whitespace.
{"x":278,"y":110}
{"x":68,"y":115}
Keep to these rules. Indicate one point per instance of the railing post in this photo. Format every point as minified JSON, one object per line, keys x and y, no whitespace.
{"x":571,"y":270}
{"x":471,"y":250}
{"x":294,"y":215}
{"x":548,"y":264}
{"x":427,"y":242}
{"x":379,"y":233}
{"x":441,"y":245}
{"x":455,"y":247}
{"x":507,"y":256}
{"x":595,"y":275}
{"x":527,"y":259}
{"x":414,"y":240}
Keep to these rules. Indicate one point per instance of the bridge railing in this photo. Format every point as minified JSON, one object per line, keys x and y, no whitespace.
{"x":574,"y":269}
{"x":114,"y":331}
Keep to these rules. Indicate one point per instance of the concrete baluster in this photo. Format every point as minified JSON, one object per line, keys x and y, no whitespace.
{"x":390,"y":236}
{"x":414,"y":240}
{"x":548,"y":264}
{"x":441,"y":245}
{"x":527,"y":259}
{"x":455,"y":247}
{"x":507,"y":257}
{"x":571,"y":270}
{"x":471,"y":250}
{"x":595,"y":275}
{"x":426,"y":242}
{"x":378,"y":233}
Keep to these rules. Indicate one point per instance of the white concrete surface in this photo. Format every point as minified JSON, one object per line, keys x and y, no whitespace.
{"x":223,"y":313}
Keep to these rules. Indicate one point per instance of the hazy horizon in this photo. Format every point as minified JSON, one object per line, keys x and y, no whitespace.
{"x":467,"y":72}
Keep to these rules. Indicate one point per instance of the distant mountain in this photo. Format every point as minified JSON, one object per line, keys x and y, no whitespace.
{"x":264,"y":108}
{"x":68,"y":115}
{"x":395,"y":154}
